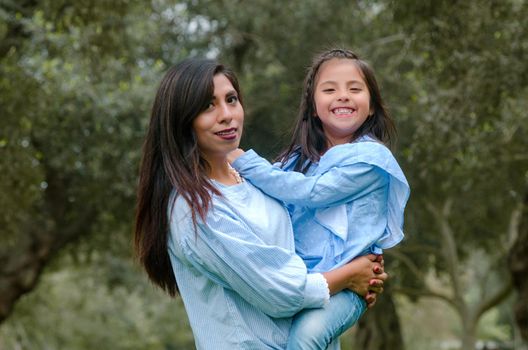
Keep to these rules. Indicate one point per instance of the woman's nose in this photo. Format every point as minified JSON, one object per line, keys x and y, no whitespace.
{"x":226,"y":114}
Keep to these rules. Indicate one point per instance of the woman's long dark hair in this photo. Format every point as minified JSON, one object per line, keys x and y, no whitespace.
{"x":171,"y":160}
{"x":309,"y":140}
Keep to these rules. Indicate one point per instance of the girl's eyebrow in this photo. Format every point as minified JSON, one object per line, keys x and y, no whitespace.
{"x":348,"y":82}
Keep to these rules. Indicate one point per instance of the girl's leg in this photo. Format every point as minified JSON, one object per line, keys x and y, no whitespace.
{"x":317,"y":328}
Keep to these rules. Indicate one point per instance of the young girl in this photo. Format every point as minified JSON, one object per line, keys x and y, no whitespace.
{"x":202,"y":231}
{"x":345,"y":191}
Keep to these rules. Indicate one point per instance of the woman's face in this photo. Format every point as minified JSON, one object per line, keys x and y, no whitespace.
{"x":218,"y":129}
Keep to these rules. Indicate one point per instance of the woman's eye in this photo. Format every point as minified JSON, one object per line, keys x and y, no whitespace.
{"x":232,"y":99}
{"x":210,"y":106}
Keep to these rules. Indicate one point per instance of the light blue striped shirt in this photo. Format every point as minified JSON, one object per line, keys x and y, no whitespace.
{"x":349,"y":204}
{"x":238,"y":275}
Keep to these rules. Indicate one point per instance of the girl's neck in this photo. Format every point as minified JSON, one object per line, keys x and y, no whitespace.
{"x":334,"y":142}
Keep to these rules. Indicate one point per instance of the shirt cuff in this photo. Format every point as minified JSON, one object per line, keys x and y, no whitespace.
{"x":317,"y":293}
{"x":244,"y":159}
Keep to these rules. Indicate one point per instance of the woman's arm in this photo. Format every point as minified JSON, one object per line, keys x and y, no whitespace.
{"x":229,"y":253}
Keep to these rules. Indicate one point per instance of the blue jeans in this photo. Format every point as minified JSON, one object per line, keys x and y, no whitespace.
{"x":320,"y":328}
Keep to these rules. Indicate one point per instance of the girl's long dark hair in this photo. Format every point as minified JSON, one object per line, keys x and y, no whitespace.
{"x":171,"y":160}
{"x":308,"y":140}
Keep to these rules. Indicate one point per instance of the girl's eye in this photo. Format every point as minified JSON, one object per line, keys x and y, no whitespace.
{"x":355,"y":89}
{"x":210,"y":106}
{"x":328,"y":90}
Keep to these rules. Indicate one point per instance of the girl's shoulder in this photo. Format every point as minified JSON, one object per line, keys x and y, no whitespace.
{"x":364,"y":148}
{"x":366,"y":151}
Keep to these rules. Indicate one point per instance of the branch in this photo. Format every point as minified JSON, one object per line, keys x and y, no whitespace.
{"x":426,"y":293}
{"x":514,"y":225}
{"x":493,"y":300}
{"x":420,"y":248}
{"x":407,"y":262}
{"x":449,"y":250}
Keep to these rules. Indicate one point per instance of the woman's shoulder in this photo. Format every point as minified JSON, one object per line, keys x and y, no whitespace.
{"x":179,"y":211}
{"x":181,"y":224}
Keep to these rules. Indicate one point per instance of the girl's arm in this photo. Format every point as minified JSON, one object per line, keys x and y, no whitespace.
{"x":344,"y":180}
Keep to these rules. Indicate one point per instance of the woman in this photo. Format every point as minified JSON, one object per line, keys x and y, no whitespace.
{"x":205,"y":232}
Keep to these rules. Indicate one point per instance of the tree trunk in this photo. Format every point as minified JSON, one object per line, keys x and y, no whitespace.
{"x":38,"y":242}
{"x":518,"y":264}
{"x":20,"y":269}
{"x":469,"y":335}
{"x":379,"y":328}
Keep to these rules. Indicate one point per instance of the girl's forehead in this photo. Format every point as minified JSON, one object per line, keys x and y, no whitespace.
{"x":339,"y":67}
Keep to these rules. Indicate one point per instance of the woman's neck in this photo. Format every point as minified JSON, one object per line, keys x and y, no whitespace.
{"x":222,"y":172}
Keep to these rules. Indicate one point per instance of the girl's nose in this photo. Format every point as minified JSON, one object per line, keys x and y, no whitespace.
{"x":343,"y":96}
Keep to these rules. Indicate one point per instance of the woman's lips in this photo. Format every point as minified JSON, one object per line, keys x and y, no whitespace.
{"x":227,"y":134}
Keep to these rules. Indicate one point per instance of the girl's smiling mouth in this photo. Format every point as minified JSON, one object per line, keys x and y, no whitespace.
{"x":343,"y":111}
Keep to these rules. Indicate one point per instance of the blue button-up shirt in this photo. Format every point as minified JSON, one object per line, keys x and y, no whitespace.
{"x":350,"y":203}
{"x":238,"y":275}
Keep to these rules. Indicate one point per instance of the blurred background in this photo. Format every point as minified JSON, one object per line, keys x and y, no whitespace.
{"x":77,"y":79}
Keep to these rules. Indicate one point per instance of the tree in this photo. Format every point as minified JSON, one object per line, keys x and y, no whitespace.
{"x":376,"y":330}
{"x":464,"y":157}
{"x":519,"y":267}
{"x":70,"y":142}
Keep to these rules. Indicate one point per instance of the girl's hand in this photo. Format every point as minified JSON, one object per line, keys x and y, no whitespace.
{"x":362,"y":275}
{"x":233,"y":155}
{"x":375,"y":284}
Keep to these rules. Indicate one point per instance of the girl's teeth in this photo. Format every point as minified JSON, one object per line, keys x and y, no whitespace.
{"x":342,"y":111}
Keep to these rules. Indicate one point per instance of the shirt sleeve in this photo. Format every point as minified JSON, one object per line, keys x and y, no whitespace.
{"x":271,"y":278}
{"x":337,"y":185}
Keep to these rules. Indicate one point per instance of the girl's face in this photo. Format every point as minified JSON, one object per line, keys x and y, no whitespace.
{"x":342,"y":99}
{"x":218,"y":129}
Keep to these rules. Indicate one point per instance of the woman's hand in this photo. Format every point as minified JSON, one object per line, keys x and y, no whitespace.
{"x":363,"y":275}
{"x":233,"y":155}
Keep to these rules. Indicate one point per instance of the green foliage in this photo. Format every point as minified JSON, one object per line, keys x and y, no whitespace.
{"x":466,"y":139}
{"x":104,"y":303}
